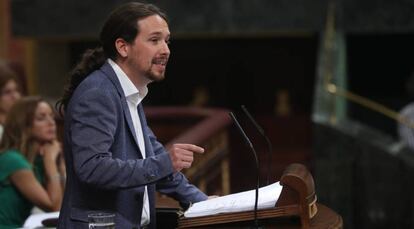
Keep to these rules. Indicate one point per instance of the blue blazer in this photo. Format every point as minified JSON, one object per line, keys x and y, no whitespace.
{"x":105,"y":169}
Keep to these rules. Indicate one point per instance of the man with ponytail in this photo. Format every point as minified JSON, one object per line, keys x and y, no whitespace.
{"x":114,"y":162}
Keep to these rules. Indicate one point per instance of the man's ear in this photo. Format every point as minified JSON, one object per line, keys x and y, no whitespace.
{"x":122,"y":47}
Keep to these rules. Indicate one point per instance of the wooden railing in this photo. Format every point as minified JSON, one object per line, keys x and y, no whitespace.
{"x":204,"y":127}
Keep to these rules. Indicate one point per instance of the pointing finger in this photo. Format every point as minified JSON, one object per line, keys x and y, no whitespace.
{"x":190,"y":147}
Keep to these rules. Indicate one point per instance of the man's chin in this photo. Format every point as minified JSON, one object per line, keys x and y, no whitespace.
{"x":156,"y":77}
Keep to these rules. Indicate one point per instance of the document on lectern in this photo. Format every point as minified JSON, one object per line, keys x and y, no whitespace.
{"x":237,"y":202}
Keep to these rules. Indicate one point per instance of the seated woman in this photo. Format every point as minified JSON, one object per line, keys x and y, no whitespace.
{"x":30,"y":159}
{"x":9,"y":92}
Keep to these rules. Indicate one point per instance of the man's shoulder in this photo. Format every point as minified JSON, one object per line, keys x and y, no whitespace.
{"x":96,"y":81}
{"x":95,"y":87}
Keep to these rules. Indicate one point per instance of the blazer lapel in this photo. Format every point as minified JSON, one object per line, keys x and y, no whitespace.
{"x":109,"y":72}
{"x":148,"y":146}
{"x":129,"y":120}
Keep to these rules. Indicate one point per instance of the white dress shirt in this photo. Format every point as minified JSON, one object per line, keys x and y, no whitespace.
{"x":134,"y":96}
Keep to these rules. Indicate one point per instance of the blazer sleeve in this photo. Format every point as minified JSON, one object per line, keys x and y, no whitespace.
{"x":178,"y":187}
{"x":92,"y":132}
{"x":175,"y":185}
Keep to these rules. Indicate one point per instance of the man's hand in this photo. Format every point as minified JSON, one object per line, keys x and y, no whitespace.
{"x":182,"y":155}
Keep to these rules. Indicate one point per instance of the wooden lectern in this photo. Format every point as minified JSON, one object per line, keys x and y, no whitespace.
{"x":295,"y":208}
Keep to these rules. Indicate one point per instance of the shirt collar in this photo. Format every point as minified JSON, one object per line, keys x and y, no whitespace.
{"x":131,"y":92}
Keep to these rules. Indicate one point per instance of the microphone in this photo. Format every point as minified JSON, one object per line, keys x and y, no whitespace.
{"x":269,"y":144}
{"x":250,"y":145}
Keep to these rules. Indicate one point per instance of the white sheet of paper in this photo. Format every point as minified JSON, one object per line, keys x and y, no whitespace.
{"x":238,"y":202}
{"x":35,"y":220}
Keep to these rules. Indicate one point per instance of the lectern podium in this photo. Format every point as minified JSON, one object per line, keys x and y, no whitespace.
{"x":295,"y":208}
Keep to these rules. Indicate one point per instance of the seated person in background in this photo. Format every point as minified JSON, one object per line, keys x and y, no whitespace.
{"x":30,"y":156}
{"x":9,"y":92}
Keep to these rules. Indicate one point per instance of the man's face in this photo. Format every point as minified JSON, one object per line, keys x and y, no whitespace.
{"x":149,"y":53}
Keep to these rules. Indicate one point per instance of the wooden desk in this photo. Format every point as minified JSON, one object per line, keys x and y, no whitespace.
{"x":325,"y":218}
{"x":296,"y":207}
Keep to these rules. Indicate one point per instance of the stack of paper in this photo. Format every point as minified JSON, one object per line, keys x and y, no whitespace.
{"x":35,"y":220}
{"x":238,"y":202}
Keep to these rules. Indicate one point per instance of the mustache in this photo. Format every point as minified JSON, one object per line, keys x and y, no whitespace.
{"x":160,"y":60}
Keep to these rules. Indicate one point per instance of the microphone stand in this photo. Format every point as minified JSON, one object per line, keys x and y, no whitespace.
{"x":269,"y":144}
{"x":250,"y":145}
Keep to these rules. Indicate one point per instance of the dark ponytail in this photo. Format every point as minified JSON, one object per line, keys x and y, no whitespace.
{"x":92,"y":59}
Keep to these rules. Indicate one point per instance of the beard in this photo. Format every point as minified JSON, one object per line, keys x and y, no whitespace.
{"x":153,"y":75}
{"x":152,"y":71}
{"x":156,"y":72}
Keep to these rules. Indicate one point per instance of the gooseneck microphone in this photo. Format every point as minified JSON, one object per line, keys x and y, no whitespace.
{"x":269,"y":144}
{"x":250,"y":145}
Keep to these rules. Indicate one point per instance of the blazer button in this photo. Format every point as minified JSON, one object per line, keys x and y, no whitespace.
{"x":149,"y":177}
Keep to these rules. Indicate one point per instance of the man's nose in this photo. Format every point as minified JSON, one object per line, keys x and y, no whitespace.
{"x":165,"y":48}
